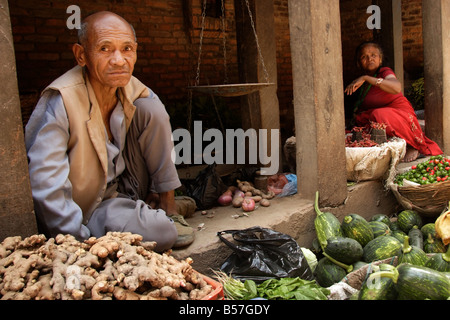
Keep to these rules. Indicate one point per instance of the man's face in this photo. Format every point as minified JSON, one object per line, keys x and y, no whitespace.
{"x":110,"y":52}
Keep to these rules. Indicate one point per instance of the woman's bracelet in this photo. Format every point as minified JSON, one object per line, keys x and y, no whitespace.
{"x":379,"y":81}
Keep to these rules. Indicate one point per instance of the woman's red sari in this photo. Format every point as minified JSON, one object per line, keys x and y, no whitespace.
{"x":396,"y":112}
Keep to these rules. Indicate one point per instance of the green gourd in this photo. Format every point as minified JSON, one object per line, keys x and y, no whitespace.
{"x":407,"y":219}
{"x":381,"y":248}
{"x":356,"y":227}
{"x":411,"y":254}
{"x":440,"y":261}
{"x":379,"y":228}
{"x":418,"y":282}
{"x":326,"y":224}
{"x":433,"y":245}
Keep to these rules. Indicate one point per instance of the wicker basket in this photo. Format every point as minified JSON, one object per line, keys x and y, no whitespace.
{"x":428,"y":200}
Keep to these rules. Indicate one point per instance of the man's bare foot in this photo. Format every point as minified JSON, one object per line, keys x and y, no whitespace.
{"x":411,"y":154}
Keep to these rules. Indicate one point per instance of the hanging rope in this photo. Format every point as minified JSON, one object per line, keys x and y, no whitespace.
{"x":197,"y":78}
{"x":224,"y":42}
{"x":266,"y":74}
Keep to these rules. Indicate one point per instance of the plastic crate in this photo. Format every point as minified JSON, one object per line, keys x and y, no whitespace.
{"x":217,"y":293}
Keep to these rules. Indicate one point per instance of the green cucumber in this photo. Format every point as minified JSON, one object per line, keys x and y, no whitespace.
{"x":407,"y":219}
{"x":433,"y":245}
{"x":328,"y":273}
{"x":418,"y":282}
{"x":379,"y":228}
{"x":439,"y":261}
{"x":326,"y":224}
{"x":356,"y":227}
{"x":345,"y":250}
{"x":381,"y":248}
{"x":416,"y":237}
{"x":411,"y":254}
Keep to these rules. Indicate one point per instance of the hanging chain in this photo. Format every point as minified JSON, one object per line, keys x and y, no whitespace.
{"x":197,"y":78}
{"x":224,"y":42}
{"x":266,"y":74}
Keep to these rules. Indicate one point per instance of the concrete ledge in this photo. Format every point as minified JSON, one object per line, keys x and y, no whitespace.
{"x":291,"y":215}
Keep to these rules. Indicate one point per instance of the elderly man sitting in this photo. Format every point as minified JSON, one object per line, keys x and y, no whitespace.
{"x":99,"y":144}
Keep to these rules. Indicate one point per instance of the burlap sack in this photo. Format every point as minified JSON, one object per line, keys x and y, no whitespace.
{"x":374,"y":163}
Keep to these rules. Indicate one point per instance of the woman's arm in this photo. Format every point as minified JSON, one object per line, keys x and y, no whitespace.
{"x":390,"y":84}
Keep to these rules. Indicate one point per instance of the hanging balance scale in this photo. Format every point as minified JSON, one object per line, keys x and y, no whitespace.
{"x":228,"y":90}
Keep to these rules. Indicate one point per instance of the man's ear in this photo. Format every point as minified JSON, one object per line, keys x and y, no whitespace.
{"x":79,"y":53}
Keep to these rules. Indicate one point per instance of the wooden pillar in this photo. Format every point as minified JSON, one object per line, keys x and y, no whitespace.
{"x":436,"y":42}
{"x":16,"y":204}
{"x":318,"y":99}
{"x":260,"y":110}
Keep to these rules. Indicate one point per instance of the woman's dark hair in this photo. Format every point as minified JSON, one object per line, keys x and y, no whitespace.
{"x":365,"y":44}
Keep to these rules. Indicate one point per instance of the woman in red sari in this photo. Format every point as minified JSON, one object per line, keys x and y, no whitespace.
{"x":381,"y":101}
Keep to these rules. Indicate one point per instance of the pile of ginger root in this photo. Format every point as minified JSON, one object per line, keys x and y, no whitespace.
{"x":117,"y":266}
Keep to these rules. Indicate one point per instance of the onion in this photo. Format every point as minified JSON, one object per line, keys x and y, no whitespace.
{"x":248,"y":204}
{"x":238,"y":193}
{"x":225,"y":199}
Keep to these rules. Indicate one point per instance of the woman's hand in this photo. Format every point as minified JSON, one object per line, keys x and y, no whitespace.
{"x":355,"y":85}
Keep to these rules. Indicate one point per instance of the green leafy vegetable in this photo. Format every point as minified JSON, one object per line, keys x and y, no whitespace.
{"x":292,"y":289}
{"x":272,"y":289}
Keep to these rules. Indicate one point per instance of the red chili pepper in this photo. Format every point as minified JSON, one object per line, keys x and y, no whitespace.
{"x":438,"y":179}
{"x":414,"y":167}
{"x":424,"y":178}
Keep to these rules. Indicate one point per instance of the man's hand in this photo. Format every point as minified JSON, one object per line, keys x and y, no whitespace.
{"x":164,"y":201}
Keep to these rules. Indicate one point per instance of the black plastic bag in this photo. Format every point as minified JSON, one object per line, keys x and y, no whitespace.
{"x":261,"y":254}
{"x":206,"y":188}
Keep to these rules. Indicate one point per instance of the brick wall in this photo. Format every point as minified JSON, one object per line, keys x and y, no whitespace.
{"x":284,"y":67}
{"x":412,"y":39}
{"x":168,"y":36}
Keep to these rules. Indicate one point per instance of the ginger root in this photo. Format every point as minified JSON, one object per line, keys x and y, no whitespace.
{"x":119,"y":265}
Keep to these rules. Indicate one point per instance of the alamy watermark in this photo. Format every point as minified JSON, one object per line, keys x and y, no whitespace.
{"x":74,"y":20}
{"x":232,"y":147}
{"x":374,"y":21}
{"x":73,"y":274}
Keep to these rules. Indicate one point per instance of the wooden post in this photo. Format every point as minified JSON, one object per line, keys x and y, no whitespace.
{"x":318,"y":99}
{"x":16,"y":204}
{"x":436,"y":42}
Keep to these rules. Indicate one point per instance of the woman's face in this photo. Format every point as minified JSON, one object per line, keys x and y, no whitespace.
{"x":370,"y":59}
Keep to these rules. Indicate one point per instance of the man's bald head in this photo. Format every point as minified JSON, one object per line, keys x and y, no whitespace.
{"x":98,"y":19}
